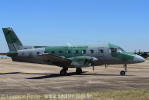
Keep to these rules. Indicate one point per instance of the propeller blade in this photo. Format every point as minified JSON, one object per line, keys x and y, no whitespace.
{"x":105,"y":66}
{"x":93,"y":68}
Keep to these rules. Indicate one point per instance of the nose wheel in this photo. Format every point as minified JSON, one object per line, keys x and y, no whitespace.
{"x":123,"y":72}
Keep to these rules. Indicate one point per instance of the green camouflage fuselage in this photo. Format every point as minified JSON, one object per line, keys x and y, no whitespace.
{"x":102,"y":53}
{"x":68,"y":56}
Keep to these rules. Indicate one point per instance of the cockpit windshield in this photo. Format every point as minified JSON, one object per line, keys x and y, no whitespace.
{"x":120,"y":50}
{"x":114,"y":50}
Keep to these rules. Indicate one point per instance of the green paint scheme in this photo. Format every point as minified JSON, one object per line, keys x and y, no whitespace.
{"x":11,"y":52}
{"x":13,"y":41}
{"x":64,"y":50}
{"x":40,"y":46}
{"x":82,"y":61}
{"x":11,"y":37}
{"x":68,"y":56}
{"x":113,"y":46}
{"x":80,"y":57}
{"x":124,"y":56}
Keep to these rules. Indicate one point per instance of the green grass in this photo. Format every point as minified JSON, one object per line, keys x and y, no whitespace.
{"x":138,"y":94}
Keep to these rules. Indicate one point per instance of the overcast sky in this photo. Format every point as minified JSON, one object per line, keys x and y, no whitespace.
{"x":77,"y":22}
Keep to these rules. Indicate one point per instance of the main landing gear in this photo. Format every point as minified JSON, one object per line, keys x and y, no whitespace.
{"x":78,"y":70}
{"x":63,"y":72}
{"x":123,"y":72}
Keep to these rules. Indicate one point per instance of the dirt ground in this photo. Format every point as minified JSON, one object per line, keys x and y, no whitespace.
{"x":25,"y":78}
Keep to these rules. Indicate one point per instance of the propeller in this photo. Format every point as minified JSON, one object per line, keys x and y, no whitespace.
{"x":92,"y":62}
{"x":93,"y":68}
{"x":106,"y":66}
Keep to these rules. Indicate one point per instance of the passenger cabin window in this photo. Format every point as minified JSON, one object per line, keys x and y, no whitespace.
{"x":38,"y":53}
{"x":84,"y":52}
{"x":68,"y":51}
{"x":60,"y":51}
{"x":53,"y":52}
{"x":92,"y":51}
{"x":76,"y":52}
{"x":113,"y":50}
{"x":101,"y":51}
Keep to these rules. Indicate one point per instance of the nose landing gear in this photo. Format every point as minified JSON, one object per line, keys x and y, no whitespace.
{"x":123,"y":72}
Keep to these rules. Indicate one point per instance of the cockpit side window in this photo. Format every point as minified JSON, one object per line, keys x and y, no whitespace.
{"x":113,"y":50}
{"x":120,"y":49}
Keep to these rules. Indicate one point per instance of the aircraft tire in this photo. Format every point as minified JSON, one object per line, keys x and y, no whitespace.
{"x":122,"y":73}
{"x":63,"y":72}
{"x":78,"y":70}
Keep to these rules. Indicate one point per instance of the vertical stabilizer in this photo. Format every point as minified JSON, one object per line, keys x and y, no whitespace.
{"x":13,"y":41}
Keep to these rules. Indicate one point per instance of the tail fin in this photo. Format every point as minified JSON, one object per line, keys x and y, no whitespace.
{"x":13,"y":41}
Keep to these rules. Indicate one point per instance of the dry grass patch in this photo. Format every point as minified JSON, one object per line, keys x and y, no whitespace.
{"x":138,"y":94}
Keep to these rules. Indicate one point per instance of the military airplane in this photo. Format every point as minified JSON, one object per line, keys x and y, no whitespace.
{"x":142,"y":54}
{"x":69,"y":56}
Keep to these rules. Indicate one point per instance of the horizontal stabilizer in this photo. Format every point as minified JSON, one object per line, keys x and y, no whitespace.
{"x":4,"y":54}
{"x":9,"y":54}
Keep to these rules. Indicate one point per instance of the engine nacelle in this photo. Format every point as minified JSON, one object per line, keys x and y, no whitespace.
{"x":82,"y":61}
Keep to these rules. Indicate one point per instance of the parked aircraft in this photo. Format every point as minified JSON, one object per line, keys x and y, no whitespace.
{"x":69,"y":56}
{"x":142,"y":54}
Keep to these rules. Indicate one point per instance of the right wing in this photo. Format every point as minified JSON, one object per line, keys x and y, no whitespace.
{"x":57,"y":60}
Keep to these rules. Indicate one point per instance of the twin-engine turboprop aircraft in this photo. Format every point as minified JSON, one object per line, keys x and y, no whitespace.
{"x":69,"y":56}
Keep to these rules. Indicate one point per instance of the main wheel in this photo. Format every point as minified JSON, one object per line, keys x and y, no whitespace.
{"x":122,"y":73}
{"x":78,"y":70}
{"x":63,"y":72}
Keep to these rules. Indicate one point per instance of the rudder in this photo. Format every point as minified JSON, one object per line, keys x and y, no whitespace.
{"x":13,"y":41}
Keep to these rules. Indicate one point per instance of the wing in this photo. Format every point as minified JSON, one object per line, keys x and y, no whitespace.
{"x":56,"y":60}
{"x":83,"y":61}
{"x":79,"y":61}
{"x":4,"y":54}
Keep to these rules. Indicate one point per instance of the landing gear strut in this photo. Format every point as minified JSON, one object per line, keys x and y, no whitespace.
{"x":78,"y":70}
{"x":63,"y":72}
{"x":123,"y":73}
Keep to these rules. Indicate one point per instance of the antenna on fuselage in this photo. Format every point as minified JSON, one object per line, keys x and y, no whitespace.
{"x":93,"y":68}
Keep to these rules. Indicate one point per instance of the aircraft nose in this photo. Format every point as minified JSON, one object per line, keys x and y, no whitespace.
{"x":138,"y":59}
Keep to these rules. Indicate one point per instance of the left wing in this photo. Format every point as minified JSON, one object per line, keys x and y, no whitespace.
{"x":57,"y":60}
{"x":78,"y":61}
